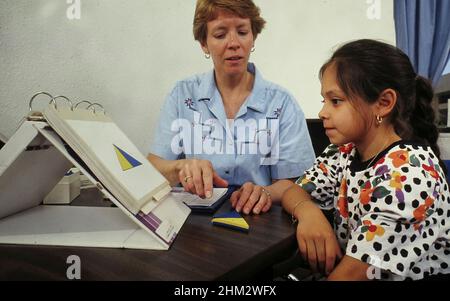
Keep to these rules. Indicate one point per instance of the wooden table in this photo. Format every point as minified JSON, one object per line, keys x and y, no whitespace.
{"x":201,"y":251}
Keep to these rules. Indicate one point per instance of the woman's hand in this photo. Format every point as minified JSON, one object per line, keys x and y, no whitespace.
{"x":317,"y":241}
{"x":198,"y":177}
{"x":251,"y":198}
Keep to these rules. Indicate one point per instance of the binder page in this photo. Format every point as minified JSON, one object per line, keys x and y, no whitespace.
{"x":163,"y":223}
{"x":117,"y":154}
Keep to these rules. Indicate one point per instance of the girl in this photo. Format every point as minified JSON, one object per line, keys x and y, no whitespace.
{"x":382,"y":173}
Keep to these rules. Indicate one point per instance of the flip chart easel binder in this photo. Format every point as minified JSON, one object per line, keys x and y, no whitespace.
{"x":32,"y":162}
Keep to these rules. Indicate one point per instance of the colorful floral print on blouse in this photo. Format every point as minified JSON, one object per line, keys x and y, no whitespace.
{"x":394,"y":215}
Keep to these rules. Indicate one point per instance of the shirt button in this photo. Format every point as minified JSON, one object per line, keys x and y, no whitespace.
{"x":227,"y":172}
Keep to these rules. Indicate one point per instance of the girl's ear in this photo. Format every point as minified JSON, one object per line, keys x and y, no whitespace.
{"x":386,"y":102}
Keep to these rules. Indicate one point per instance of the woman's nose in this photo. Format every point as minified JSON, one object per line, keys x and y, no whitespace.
{"x":233,"y":41}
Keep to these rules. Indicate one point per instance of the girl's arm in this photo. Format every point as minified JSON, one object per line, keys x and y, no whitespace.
{"x":316,"y":239}
{"x":350,"y":269}
{"x":293,"y":198}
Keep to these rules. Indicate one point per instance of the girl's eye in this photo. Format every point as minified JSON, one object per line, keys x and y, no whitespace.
{"x":243,"y":33}
{"x":336,"y":101}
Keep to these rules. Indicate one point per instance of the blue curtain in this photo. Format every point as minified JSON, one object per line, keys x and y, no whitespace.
{"x":423,"y":32}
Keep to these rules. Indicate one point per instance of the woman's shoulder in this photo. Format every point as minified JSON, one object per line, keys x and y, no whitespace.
{"x":190,"y":88}
{"x":278,"y":91}
{"x":280,"y":98}
{"x":192,"y":81}
{"x":271,"y":88}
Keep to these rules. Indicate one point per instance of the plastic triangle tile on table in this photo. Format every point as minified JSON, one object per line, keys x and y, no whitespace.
{"x":232,"y":220}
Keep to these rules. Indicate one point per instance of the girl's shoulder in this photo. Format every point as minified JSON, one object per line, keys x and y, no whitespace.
{"x":336,"y":157}
{"x":410,"y":157}
{"x":410,"y":151}
{"x":334,"y":151}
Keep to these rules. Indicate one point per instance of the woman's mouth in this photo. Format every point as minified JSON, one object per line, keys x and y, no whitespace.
{"x":234,"y":58}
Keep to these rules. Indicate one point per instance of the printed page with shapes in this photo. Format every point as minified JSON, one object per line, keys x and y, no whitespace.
{"x":111,"y":156}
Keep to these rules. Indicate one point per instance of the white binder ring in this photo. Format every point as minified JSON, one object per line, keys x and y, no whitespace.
{"x":36,"y":95}
{"x":93,"y":105}
{"x":81,"y":102}
{"x":63,"y":97}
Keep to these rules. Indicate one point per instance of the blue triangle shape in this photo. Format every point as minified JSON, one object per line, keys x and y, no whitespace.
{"x":231,"y":214}
{"x":129,"y":158}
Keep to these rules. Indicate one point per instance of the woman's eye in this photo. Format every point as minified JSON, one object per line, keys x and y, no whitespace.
{"x":243,"y":33}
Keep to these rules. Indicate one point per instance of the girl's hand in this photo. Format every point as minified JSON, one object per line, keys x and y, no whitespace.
{"x":198,"y":177}
{"x":317,"y":241}
{"x":251,"y":198}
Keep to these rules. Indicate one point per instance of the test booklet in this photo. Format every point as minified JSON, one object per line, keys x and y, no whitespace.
{"x":197,"y":204}
{"x":194,"y":200}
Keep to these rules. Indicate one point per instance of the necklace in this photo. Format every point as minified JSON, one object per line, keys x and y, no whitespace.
{"x":382,"y":149}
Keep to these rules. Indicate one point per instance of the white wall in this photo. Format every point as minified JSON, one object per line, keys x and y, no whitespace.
{"x":128,"y":54}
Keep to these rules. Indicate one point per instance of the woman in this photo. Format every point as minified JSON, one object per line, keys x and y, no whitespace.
{"x":230,"y":126}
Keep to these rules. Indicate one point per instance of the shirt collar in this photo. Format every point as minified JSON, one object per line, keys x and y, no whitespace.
{"x":256,"y":99}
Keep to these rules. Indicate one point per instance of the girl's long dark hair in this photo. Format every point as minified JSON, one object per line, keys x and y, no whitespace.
{"x":365,"y":68}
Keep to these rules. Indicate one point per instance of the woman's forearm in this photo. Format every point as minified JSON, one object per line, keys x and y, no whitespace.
{"x":168,"y":168}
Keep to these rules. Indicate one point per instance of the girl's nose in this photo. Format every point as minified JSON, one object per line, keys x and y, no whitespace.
{"x":322,"y":114}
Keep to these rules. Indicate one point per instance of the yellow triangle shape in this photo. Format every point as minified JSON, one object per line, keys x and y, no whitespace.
{"x":237,"y":222}
{"x":122,"y":160}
